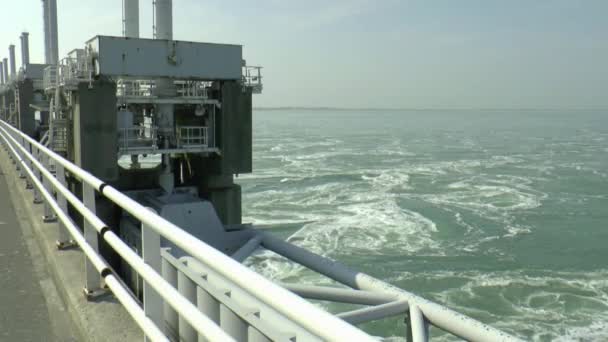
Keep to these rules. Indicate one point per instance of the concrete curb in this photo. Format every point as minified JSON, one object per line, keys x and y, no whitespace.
{"x":102,"y":320}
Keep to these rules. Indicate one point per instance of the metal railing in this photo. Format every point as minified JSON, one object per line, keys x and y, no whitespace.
{"x":49,"y":78}
{"x":135,"y":88}
{"x":192,"y":136}
{"x":137,"y":139}
{"x":252,"y":78}
{"x":146,"y":89}
{"x":59,"y":135}
{"x":32,"y":159}
{"x":191,"y":89}
{"x":74,"y":69}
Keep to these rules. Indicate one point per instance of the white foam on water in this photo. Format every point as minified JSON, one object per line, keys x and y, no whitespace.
{"x":596,"y":331}
{"x":388,"y":179}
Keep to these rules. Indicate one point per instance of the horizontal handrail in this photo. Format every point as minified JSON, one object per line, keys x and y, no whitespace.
{"x":203,"y":324}
{"x":315,"y":320}
{"x":122,"y":294}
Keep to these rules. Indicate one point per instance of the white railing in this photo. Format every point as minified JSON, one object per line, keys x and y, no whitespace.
{"x":33,"y":160}
{"x":192,"y":136}
{"x":49,"y":78}
{"x":252,"y":78}
{"x":146,"y":89}
{"x":135,"y":88}
{"x":191,"y":89}
{"x":137,"y":139}
{"x":73,"y":69}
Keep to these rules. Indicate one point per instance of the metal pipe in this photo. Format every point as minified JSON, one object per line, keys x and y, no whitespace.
{"x":189,"y":311}
{"x":115,"y":286}
{"x":53,"y":35}
{"x":340,"y":295}
{"x":11,"y":56}
{"x":5,"y":65}
{"x":375,"y":313}
{"x":163,"y":10}
{"x":25,"y":49}
{"x":288,"y":304}
{"x":47,"y":31}
{"x":245,"y":251}
{"x":130,"y":18}
{"x":440,"y":316}
{"x":418,"y":325}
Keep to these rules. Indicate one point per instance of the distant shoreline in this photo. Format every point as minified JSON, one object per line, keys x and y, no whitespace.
{"x":424,"y":109}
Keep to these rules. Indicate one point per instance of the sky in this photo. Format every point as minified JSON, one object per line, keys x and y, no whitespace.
{"x":377,"y":53}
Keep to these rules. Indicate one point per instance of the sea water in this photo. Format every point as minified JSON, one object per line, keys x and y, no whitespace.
{"x":500,"y":215}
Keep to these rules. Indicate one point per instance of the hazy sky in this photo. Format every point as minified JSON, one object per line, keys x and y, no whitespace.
{"x":377,"y":53}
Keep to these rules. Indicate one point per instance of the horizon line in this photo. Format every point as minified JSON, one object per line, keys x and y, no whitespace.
{"x":424,"y":108}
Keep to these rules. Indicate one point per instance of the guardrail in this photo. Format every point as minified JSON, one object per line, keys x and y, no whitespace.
{"x":209,"y":295}
{"x":33,"y":160}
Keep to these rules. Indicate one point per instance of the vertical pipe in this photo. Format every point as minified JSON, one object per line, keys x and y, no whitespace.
{"x":11,"y":55}
{"x":25,"y":49}
{"x":22,"y":54}
{"x":5,"y":65}
{"x":53,"y":35}
{"x":130,"y":18}
{"x":164,"y":19}
{"x":47,"y":31}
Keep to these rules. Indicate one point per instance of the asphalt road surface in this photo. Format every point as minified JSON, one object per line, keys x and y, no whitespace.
{"x":30,"y":308}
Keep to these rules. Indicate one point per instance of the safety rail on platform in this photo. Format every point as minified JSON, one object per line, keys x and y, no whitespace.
{"x":209,"y":295}
{"x":192,"y":136}
{"x":137,"y":139}
{"x":252,"y":78}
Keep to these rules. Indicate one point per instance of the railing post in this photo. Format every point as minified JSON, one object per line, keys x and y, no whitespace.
{"x":417,"y":325}
{"x":171,"y":318}
{"x":28,"y":181}
{"x":153,"y":303}
{"x":37,"y":198}
{"x":187,"y":288}
{"x":49,"y":216}
{"x":63,"y":238}
{"x":22,"y":143}
{"x":254,"y":335}
{"x":209,"y":306}
{"x":93,"y":280}
{"x":232,"y":324}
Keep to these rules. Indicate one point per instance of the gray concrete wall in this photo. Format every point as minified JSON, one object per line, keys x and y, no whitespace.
{"x":94,"y":129}
{"x":27,"y":120}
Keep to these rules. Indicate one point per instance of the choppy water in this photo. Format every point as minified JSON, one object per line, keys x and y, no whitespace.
{"x":500,"y":215}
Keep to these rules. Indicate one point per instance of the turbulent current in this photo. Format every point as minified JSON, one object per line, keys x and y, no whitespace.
{"x":501,"y":215}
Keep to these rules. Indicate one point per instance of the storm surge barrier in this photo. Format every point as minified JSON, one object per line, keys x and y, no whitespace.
{"x":208,"y":295}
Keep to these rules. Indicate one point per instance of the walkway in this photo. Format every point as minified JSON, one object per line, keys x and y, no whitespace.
{"x":30,"y":308}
